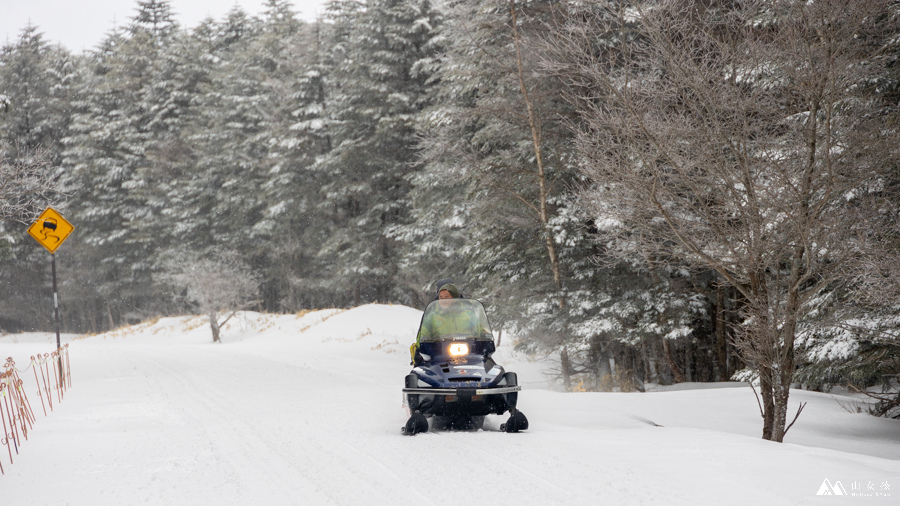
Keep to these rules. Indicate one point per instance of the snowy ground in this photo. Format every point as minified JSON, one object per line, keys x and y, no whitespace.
{"x":307,"y":410}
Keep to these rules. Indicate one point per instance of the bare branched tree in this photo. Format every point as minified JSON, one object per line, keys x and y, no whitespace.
{"x":218,"y":285}
{"x":736,"y":137}
{"x":26,"y":183}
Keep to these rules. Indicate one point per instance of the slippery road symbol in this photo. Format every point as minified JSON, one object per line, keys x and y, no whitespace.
{"x":50,"y":229}
{"x":49,"y":226}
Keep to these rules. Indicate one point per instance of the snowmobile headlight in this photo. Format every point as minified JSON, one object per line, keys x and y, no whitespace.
{"x":458,"y":349}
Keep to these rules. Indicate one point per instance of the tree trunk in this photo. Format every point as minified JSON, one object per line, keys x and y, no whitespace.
{"x":539,"y":160}
{"x":780,"y":405}
{"x":768,"y":402}
{"x":214,"y":326}
{"x":650,"y":373}
{"x":784,"y":376}
{"x":543,"y":186}
{"x":93,"y":318}
{"x":689,"y":374}
{"x":721,"y":344}
{"x":112,"y":324}
{"x":670,"y":360}
{"x":565,"y":367}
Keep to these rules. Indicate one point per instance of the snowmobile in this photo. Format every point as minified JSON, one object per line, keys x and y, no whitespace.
{"x":455,"y":383}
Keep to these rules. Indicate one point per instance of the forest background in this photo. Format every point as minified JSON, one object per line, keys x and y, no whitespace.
{"x":655,"y":191}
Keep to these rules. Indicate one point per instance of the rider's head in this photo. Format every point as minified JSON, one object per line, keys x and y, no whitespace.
{"x":448,"y":291}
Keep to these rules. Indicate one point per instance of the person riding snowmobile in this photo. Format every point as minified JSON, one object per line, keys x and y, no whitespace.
{"x":446,"y":320}
{"x":443,"y":282}
{"x":455,"y":382}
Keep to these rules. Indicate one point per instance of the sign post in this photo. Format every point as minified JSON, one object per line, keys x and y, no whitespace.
{"x":50,"y":230}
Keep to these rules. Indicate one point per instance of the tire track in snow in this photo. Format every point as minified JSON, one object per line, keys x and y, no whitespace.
{"x":532,"y":476}
{"x":241,"y":443}
{"x":422,"y":498}
{"x":292,"y":445}
{"x":282,"y":431}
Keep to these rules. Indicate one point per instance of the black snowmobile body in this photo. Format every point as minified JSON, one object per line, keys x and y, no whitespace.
{"x":455,"y":382}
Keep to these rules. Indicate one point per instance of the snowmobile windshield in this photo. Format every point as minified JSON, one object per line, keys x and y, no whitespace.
{"x":449,"y":319}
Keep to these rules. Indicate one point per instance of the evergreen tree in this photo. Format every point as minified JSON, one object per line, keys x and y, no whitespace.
{"x":36,"y":80}
{"x":495,"y":137}
{"x":299,"y":137}
{"x":155,"y":20}
{"x":209,"y":55}
{"x":108,"y":164}
{"x":376,"y":88}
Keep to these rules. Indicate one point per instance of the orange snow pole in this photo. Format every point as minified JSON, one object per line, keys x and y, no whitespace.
{"x":6,"y":432}
{"x":9,"y":434}
{"x":38,"y":383}
{"x":16,"y":414}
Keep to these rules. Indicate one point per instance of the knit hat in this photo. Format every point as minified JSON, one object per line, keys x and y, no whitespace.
{"x":450,"y":287}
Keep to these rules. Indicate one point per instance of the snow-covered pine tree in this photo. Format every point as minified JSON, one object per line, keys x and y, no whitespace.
{"x":296,"y":52}
{"x":212,"y":48}
{"x":496,"y":134}
{"x":36,"y":80}
{"x":108,"y":167}
{"x":285,"y":49}
{"x":181,"y":76}
{"x":433,"y":241}
{"x":375,"y":89}
{"x":230,"y":135}
{"x":36,"y":77}
{"x":172,"y":182}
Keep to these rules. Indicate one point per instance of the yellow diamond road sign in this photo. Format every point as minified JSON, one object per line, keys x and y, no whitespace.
{"x":50,"y":229}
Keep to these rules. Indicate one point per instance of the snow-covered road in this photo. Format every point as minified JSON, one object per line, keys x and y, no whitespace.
{"x":307,"y":410}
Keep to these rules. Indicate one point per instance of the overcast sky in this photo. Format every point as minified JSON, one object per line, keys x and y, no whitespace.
{"x":82,"y":24}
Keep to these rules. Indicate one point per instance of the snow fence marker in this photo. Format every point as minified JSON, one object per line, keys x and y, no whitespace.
{"x":16,"y":415}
